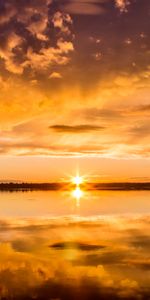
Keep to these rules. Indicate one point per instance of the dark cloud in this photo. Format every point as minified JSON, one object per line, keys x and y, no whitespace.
{"x":76,"y":128}
{"x":27,"y":29}
{"x":144,"y":266}
{"x":28,"y":245}
{"x":141,"y":241}
{"x":76,"y":245}
{"x":117,"y":258}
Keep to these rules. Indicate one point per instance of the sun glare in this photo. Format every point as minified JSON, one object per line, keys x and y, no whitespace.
{"x":77,"y":180}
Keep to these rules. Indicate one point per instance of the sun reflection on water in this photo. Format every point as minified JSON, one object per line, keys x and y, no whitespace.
{"x":77,"y":193}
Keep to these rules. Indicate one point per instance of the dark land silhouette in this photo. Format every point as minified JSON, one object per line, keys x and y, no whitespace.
{"x":120,"y":186}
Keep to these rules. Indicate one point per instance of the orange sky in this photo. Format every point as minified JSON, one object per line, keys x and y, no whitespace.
{"x":55,"y":169}
{"x":74,"y":82}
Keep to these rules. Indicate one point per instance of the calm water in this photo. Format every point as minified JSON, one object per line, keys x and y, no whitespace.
{"x":56,"y":203}
{"x":54,"y":245}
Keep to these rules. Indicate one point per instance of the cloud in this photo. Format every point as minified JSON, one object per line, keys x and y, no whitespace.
{"x":13,"y":41}
{"x":91,"y":7}
{"x":38,"y":48}
{"x":26,"y":30}
{"x":48,"y":56}
{"x":100,"y":129}
{"x":38,"y":27}
{"x":140,"y":130}
{"x":76,"y":245}
{"x":141,"y":241}
{"x":104,"y":113}
{"x":76,"y":128}
{"x":57,"y":150}
{"x":142,"y":108}
{"x":83,"y":8}
{"x":116,"y":113}
{"x":55,"y":75}
{"x":61,"y":21}
{"x":122,"y":5}
{"x":105,"y":258}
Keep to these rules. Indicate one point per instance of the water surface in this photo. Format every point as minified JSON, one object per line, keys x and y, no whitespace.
{"x":56,"y":246}
{"x":59,"y":203}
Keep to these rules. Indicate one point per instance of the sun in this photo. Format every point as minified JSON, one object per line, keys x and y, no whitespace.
{"x":77,"y":180}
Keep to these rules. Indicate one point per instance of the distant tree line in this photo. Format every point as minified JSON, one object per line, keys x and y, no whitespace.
{"x":11,"y":186}
{"x":124,"y":186}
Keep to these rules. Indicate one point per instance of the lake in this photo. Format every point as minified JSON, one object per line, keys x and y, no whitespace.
{"x":59,"y":203}
{"x":75,"y":245}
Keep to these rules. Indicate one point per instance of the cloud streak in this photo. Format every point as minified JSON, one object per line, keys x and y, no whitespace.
{"x":76,"y":128}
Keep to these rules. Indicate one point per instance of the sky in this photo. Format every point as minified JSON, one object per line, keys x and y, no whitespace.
{"x":74,"y":88}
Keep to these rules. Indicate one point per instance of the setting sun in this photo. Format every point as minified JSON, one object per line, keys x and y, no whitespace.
{"x":77,"y":180}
